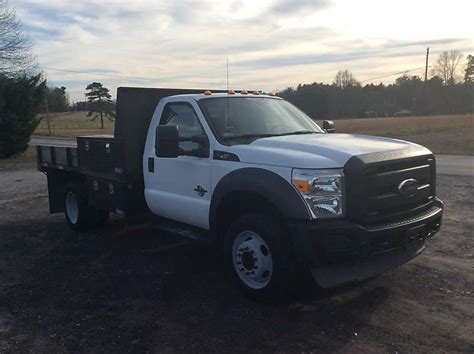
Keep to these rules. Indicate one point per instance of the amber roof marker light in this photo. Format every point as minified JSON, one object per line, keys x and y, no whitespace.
{"x":244,"y":92}
{"x":231,"y":92}
{"x":208,"y":92}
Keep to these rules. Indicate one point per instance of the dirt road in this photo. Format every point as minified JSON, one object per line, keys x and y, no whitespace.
{"x":113,"y":291}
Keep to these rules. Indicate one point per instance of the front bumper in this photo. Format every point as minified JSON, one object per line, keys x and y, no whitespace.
{"x":340,"y":252}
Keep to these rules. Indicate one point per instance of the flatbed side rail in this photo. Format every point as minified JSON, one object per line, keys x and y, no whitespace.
{"x":57,"y":157}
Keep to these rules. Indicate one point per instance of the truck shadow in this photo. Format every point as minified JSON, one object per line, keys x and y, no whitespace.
{"x":150,"y":291}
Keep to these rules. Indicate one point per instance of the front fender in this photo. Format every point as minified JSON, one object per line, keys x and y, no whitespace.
{"x":268,"y":185}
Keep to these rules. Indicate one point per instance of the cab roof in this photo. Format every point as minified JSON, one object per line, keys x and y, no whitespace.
{"x":199,"y":96}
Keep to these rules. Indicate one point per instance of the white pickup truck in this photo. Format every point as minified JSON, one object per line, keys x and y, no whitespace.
{"x":256,"y":175}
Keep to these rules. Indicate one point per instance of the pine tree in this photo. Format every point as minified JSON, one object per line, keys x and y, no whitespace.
{"x":20,"y":101}
{"x":100,"y":102}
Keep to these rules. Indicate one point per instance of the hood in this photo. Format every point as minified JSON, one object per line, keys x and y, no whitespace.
{"x":316,"y":150}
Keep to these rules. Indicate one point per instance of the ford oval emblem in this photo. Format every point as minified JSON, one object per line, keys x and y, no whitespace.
{"x":408,"y":187}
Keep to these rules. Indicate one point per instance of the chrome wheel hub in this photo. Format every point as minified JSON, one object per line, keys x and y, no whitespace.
{"x":252,"y":259}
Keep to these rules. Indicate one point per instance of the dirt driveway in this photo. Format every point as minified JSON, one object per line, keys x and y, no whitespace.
{"x":113,"y":291}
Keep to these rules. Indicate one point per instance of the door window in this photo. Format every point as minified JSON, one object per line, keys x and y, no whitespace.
{"x":183,"y":116}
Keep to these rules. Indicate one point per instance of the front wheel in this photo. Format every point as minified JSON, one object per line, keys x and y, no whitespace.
{"x":259,"y":256}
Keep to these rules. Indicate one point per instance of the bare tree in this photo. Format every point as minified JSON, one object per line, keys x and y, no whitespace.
{"x":15,"y":46}
{"x":446,"y":66}
{"x":345,"y":78}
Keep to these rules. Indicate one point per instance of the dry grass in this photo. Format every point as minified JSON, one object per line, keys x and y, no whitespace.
{"x":404,"y":125}
{"x":444,"y":135}
{"x":25,"y":159}
{"x":72,"y":124}
{"x":448,"y":134}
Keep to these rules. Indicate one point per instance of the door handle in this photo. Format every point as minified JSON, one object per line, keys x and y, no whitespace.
{"x":151,"y":164}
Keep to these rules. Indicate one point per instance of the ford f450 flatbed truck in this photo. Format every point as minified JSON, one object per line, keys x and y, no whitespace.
{"x":256,"y":175}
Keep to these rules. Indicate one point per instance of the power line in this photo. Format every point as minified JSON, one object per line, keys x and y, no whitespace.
{"x":201,"y":83}
{"x":127,"y":77}
{"x":155,"y":79}
{"x":94,"y":73}
{"x":393,"y":74}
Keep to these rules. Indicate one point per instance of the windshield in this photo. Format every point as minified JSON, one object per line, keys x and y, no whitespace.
{"x":249,"y":118}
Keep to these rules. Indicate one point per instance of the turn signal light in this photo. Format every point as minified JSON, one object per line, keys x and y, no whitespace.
{"x":301,"y":185}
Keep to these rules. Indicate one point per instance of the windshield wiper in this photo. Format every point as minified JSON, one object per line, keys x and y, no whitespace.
{"x":249,"y":136}
{"x":299,"y":132}
{"x":267,"y":135}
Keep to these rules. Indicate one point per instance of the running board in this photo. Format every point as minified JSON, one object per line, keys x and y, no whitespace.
{"x":181,"y":229}
{"x":149,"y":221}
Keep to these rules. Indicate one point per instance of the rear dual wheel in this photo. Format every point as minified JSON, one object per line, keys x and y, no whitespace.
{"x":79,"y":215}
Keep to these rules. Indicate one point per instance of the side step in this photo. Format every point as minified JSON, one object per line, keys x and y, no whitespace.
{"x":149,"y":221}
{"x":181,"y":229}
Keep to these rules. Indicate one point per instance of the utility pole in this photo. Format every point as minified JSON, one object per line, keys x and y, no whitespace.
{"x":425,"y":86}
{"x":426,"y":65}
{"x":47,"y":115}
{"x":227,"y":62}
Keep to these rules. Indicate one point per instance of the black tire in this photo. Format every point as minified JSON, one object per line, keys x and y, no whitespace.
{"x":82,"y":217}
{"x":275,"y":237}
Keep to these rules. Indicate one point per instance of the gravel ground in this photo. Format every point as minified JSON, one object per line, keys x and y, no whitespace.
{"x":144,"y":291}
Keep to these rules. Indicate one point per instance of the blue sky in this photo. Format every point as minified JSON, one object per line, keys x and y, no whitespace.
{"x":269,"y":44}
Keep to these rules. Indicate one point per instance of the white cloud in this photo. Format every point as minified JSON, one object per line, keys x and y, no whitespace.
{"x":270,"y":44}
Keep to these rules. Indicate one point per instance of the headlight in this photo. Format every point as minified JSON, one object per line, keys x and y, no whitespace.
{"x":323,"y":191}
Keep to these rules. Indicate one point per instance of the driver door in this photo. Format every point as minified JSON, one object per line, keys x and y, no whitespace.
{"x":180,"y":187}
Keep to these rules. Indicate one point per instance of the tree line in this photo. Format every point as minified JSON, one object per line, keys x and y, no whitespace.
{"x":444,"y":93}
{"x":24,"y":91}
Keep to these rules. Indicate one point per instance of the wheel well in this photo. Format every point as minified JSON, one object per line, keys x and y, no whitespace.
{"x":237,"y":203}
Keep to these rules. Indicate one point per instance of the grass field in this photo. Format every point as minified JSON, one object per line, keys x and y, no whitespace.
{"x":72,"y":124}
{"x":448,"y":134}
{"x":444,"y":135}
{"x":403,"y":125}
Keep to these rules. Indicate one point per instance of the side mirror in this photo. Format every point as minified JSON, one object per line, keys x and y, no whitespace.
{"x":328,"y":126}
{"x":200,"y":150}
{"x":203,"y":150}
{"x":167,"y":141}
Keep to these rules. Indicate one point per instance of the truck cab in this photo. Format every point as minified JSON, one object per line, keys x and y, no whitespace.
{"x":278,"y":194}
